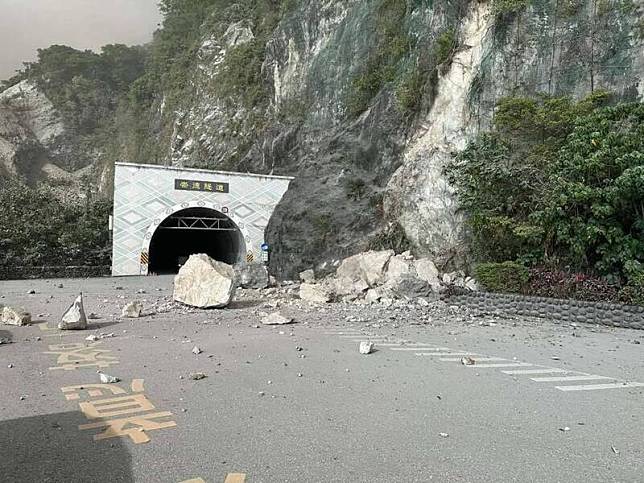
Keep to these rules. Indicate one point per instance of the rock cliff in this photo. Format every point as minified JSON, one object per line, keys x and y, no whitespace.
{"x":362,"y":101}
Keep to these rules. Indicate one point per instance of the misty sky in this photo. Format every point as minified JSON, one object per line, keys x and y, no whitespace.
{"x":26,"y":25}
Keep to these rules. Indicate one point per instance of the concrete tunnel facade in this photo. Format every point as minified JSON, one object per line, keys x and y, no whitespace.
{"x":164,"y":214}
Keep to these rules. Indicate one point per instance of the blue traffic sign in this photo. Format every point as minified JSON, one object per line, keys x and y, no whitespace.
{"x":264,"y":247}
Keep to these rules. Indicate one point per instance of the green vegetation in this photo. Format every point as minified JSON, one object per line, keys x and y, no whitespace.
{"x":409,"y":91}
{"x":82,"y":85}
{"x":506,"y":277}
{"x":558,"y":183}
{"x":38,"y":230}
{"x":392,"y":45}
{"x":500,"y":7}
{"x":413,"y":84}
{"x":444,"y":46}
{"x":86,"y":89}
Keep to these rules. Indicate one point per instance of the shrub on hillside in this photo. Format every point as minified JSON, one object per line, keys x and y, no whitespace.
{"x":557,"y":183}
{"x":38,"y":230}
{"x":560,"y":284}
{"x":505,"y":277}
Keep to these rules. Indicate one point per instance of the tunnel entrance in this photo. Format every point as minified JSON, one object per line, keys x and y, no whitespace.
{"x":190,"y":231}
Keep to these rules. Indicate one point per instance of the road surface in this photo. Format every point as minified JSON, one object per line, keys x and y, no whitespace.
{"x":298,"y":403}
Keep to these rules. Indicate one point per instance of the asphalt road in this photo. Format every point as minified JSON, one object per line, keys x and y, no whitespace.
{"x":298,"y":403}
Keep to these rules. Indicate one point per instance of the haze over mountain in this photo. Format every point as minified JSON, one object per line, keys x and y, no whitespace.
{"x":27,"y":25}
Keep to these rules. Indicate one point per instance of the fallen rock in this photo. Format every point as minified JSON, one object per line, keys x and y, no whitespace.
{"x":74,"y":318}
{"x":307,"y":276}
{"x":252,"y":275}
{"x":468,"y":361}
{"x":366,"y":347}
{"x":205,"y":283}
{"x":410,"y":287}
{"x":15,"y":316}
{"x":427,"y":271}
{"x":92,"y":338}
{"x":276,"y":319}
{"x":368,"y":267}
{"x":347,"y":286}
{"x":316,"y":293}
{"x":196,"y":350}
{"x":197,"y":376}
{"x":399,"y":266}
{"x":105,"y":379}
{"x":373,"y":296}
{"x":133,"y":310}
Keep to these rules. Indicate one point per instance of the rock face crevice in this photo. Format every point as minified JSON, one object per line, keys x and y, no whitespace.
{"x":368,"y":178}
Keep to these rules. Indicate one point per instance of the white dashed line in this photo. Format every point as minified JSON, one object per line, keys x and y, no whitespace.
{"x":481,"y":359}
{"x":593,"y":387}
{"x":545,"y":370}
{"x":445,"y":354}
{"x":420,"y":348}
{"x":568,"y":378}
{"x":491,"y":366}
{"x":342,"y":334}
{"x":399,"y":344}
{"x":373,"y":337}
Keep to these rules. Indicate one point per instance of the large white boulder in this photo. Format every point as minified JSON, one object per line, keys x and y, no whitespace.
{"x":427,"y":271}
{"x":363,"y":270}
{"x":399,"y":266}
{"x":316,"y":293}
{"x":74,"y":318}
{"x":205,"y":283}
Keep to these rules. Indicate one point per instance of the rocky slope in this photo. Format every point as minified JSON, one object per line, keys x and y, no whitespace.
{"x":362,"y":101}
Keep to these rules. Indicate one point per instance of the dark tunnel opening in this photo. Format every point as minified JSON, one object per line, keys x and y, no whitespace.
{"x":190,"y":231}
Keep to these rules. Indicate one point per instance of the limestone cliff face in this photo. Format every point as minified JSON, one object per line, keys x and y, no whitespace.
{"x":372,"y":176}
{"x":29,"y":131}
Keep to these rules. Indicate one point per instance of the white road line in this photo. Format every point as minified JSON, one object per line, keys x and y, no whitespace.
{"x":343,"y":334}
{"x":399,"y":344}
{"x":545,"y":370}
{"x":482,"y":359}
{"x":352,"y":331}
{"x":362,"y":336}
{"x":420,"y":348}
{"x":569,"y":378}
{"x":593,"y":387}
{"x":490,"y":366}
{"x":444,"y":354}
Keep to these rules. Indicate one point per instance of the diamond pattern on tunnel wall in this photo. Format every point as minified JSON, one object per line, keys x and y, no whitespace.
{"x":144,"y":195}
